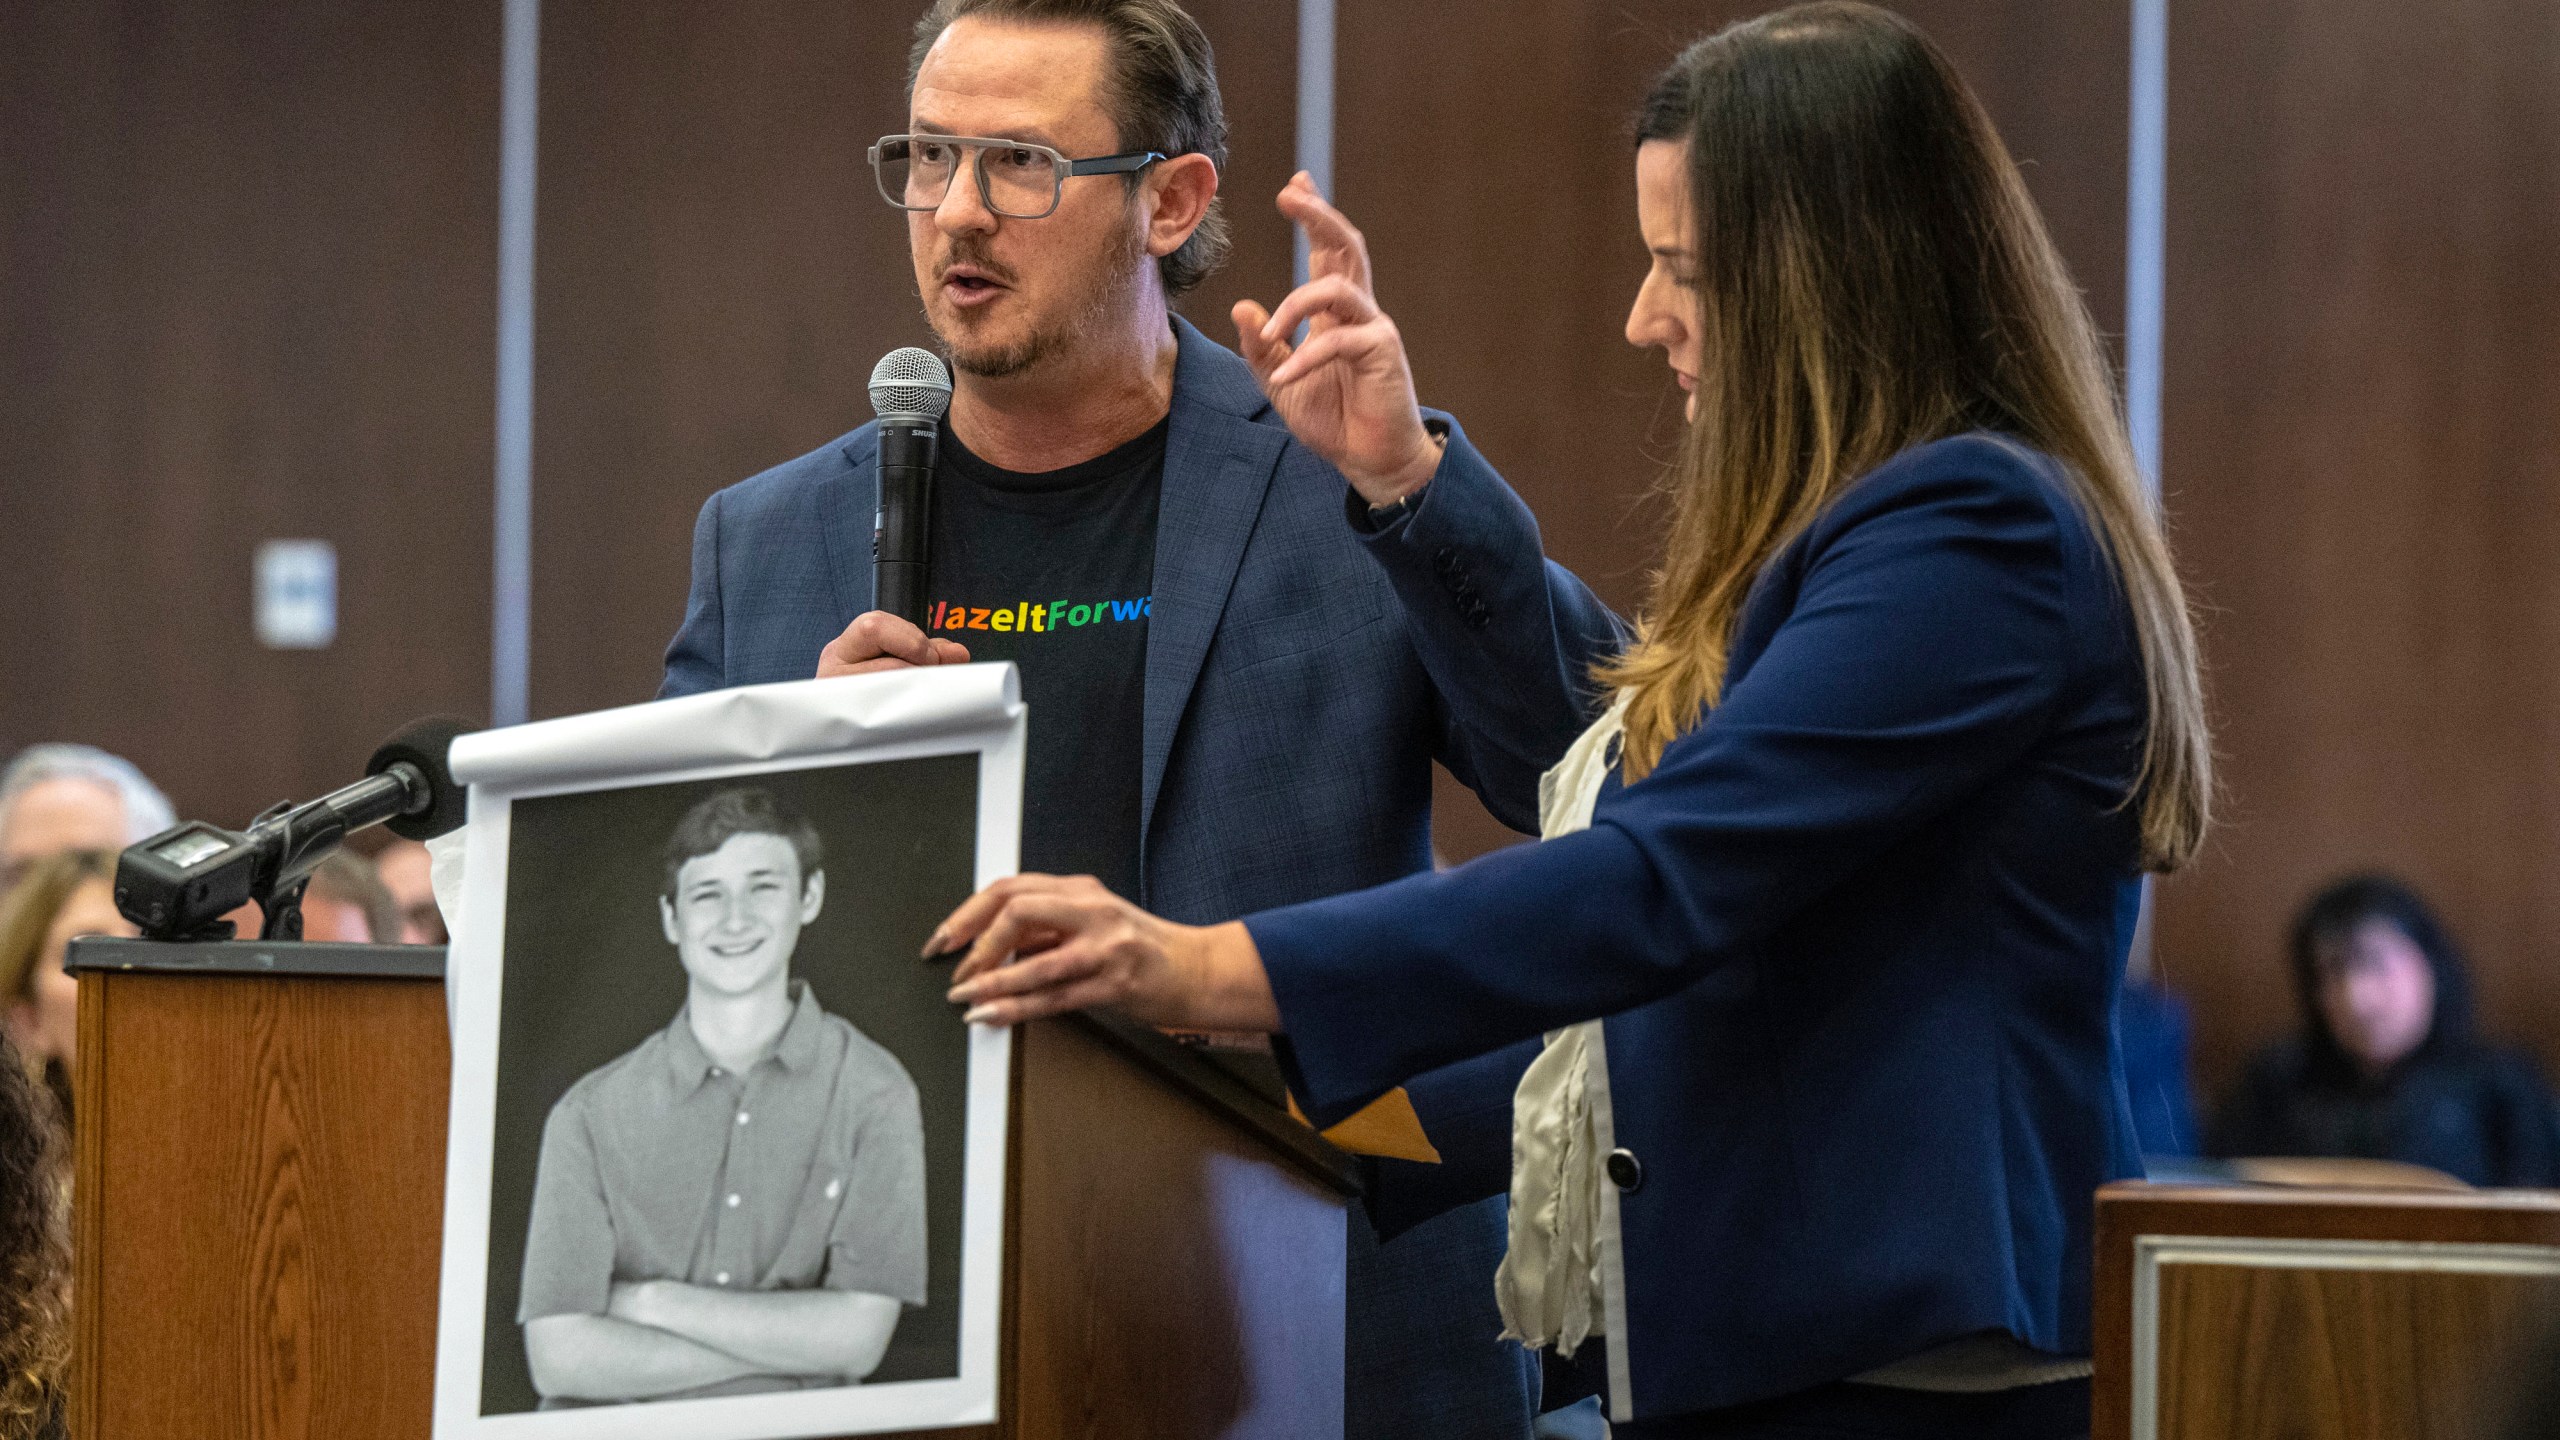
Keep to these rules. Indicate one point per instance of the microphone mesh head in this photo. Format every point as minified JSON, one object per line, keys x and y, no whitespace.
{"x":910,"y":384}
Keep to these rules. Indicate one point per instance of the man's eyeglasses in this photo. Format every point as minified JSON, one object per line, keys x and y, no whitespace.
{"x":1016,"y":178}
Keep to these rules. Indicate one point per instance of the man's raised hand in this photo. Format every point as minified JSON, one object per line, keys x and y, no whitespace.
{"x":1346,"y":393}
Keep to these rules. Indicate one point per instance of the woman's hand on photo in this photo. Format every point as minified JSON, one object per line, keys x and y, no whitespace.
{"x":1042,"y":945}
{"x":1347,"y":393}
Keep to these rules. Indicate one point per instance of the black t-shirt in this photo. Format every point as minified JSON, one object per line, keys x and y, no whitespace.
{"x":1056,"y":573}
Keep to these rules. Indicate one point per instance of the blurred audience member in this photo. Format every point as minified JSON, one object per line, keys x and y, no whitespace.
{"x":55,"y":798}
{"x":403,"y":869}
{"x":2388,"y":1065}
{"x":2151,"y":1026}
{"x":2151,"y":1034}
{"x":347,"y":904}
{"x":60,"y":898}
{"x":35,"y":1257}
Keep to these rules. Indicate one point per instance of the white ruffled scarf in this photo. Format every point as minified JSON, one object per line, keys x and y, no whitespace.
{"x":1551,"y":1286}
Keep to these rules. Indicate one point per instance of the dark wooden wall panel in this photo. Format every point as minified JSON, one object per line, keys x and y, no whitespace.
{"x":1490,"y":165}
{"x":2363,"y":466}
{"x":717,"y":276}
{"x":1257,"y":48}
{"x":246,"y":292}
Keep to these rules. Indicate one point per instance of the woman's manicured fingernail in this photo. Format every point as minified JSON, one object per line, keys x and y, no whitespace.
{"x":963,"y":993}
{"x":983,"y":1015}
{"x":932,"y":946}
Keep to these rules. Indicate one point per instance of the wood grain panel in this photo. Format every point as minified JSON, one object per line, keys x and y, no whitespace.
{"x":246,"y":292}
{"x":259,"y":1206}
{"x":2363,"y":467}
{"x":1490,"y":165}
{"x":2350,"y":1341}
{"x":717,"y":275}
{"x":2268,"y":1354}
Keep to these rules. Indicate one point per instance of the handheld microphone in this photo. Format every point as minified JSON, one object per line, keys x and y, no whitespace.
{"x":910,"y":391}
{"x":178,"y":884}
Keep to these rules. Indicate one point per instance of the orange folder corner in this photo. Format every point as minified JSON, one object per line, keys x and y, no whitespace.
{"x":1385,"y":1126}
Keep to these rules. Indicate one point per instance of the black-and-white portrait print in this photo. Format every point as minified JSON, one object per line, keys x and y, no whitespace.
{"x":728,"y":1136}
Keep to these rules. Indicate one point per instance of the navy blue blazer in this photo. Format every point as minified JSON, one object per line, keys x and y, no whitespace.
{"x":1858,"y":939}
{"x":1297,"y":688}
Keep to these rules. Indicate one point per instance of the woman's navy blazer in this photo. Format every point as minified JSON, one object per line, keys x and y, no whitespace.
{"x":1858,"y":939}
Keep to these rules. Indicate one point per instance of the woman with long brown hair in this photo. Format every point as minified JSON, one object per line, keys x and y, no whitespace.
{"x":57,"y":900}
{"x":1852,"y":859}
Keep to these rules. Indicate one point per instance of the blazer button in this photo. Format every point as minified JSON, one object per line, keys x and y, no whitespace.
{"x":1625,"y":1170}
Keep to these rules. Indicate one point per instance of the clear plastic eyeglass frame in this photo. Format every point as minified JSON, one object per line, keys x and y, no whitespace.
{"x":891,"y":150}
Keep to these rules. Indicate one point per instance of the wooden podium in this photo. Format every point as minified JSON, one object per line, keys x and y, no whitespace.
{"x":2240,"y":1312}
{"x":258,"y":1214}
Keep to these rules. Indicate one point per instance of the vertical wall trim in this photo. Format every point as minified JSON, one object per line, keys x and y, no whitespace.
{"x":1315,"y":110}
{"x":511,"y":600}
{"x":2146,"y":235}
{"x":2146,"y":215}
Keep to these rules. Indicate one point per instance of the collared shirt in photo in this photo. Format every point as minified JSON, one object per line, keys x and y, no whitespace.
{"x":805,"y":1172}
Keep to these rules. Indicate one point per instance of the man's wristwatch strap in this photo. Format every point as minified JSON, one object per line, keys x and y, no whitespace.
{"x":1381,"y":516}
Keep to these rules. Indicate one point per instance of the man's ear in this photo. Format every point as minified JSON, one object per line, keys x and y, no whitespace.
{"x":667,"y":920}
{"x":1181,"y":188}
{"x":813,"y":895}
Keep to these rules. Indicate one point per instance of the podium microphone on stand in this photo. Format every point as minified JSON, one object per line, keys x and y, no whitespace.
{"x":178,"y":884}
{"x":910,"y":391}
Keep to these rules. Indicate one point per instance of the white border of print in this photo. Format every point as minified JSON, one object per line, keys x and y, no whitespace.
{"x":744,"y":724}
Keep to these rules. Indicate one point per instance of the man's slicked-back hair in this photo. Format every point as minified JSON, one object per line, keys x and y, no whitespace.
{"x":746,"y":810}
{"x":1163,"y":94}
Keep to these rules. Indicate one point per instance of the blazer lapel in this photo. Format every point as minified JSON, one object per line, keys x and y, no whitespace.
{"x":1217,"y":467}
{"x":848,"y":511}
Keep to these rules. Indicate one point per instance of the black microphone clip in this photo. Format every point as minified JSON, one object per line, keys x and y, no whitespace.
{"x":178,"y":884}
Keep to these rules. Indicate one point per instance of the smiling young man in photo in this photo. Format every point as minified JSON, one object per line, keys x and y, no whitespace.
{"x":736,"y":1204}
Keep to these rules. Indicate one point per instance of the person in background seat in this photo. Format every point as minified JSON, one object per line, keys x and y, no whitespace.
{"x":58,"y":797}
{"x":56,"y":900}
{"x":404,"y":869}
{"x":2388,"y":1064}
{"x":349,"y":904}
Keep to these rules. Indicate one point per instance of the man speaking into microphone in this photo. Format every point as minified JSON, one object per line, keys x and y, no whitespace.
{"x":1240,"y":661}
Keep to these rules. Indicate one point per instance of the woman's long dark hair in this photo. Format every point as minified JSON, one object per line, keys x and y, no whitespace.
{"x":1871,"y":276}
{"x":2334,"y":915}
{"x":35,"y":1254}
